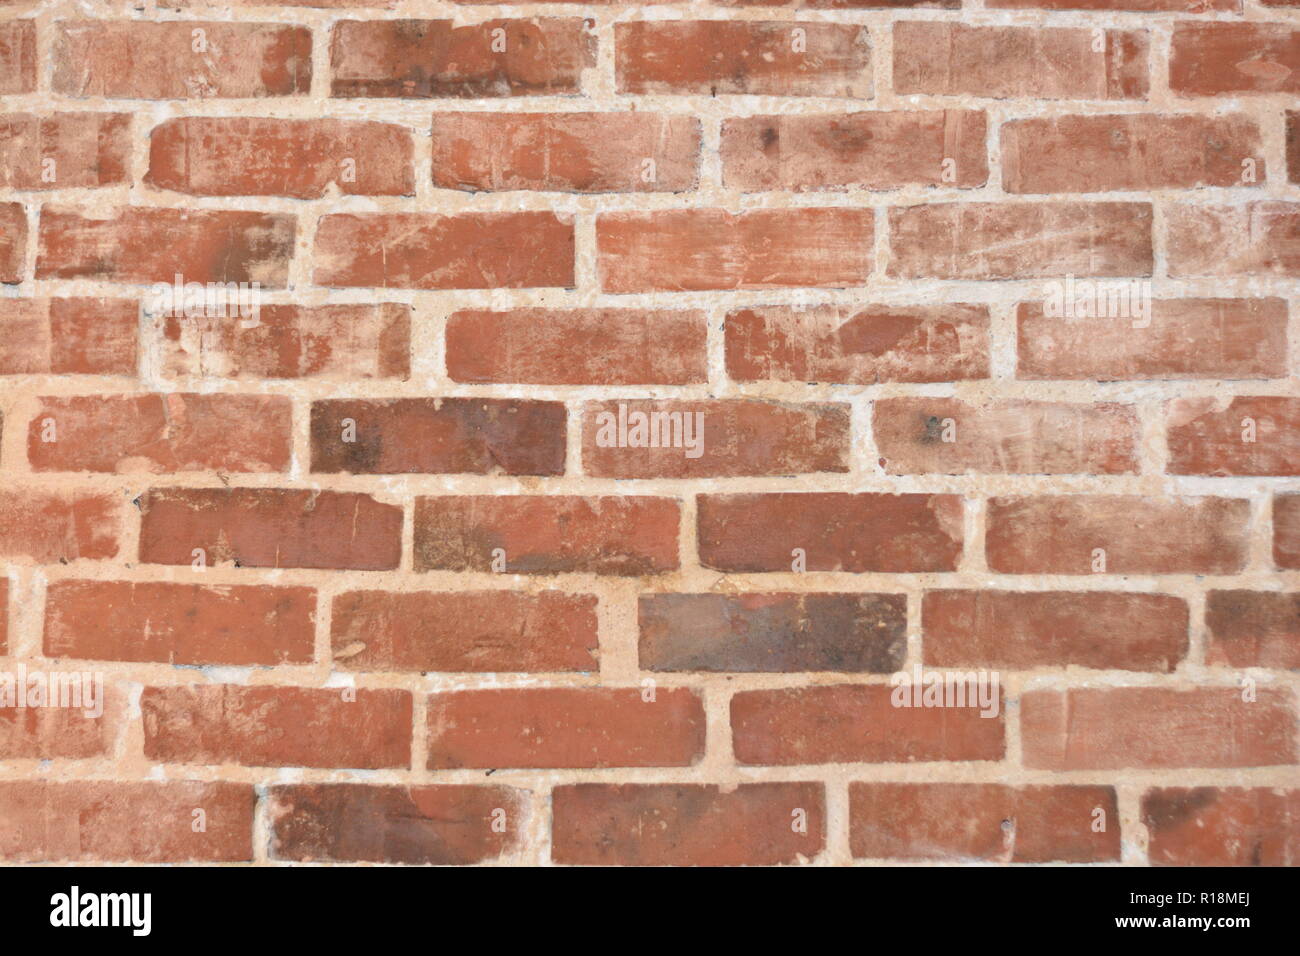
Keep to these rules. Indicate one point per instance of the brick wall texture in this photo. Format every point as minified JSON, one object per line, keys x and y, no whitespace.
{"x":380,"y":569}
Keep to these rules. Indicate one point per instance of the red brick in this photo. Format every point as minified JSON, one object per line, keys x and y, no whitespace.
{"x":442,"y":824}
{"x":773,"y":633}
{"x":13,"y":242}
{"x":161,"y":433}
{"x":4,"y":616}
{"x":1140,"y":535}
{"x":267,"y":726}
{"x":1020,"y":240}
{"x":699,"y":249}
{"x":180,"y":624}
{"x":118,"y":822}
{"x":876,"y":150}
{"x":439,"y":436}
{"x":1058,"y":63}
{"x":837,"y":531}
{"x":548,"y":727}
{"x":17,"y":56}
{"x":954,"y":822}
{"x":64,"y":150}
{"x":566,"y":152}
{"x":733,"y":56}
{"x":52,"y":527}
{"x":1185,"y":338}
{"x":142,"y":244}
{"x":857,"y":723}
{"x":1143,"y":151}
{"x":1208,"y":59}
{"x":1022,"y":630}
{"x":687,"y":824}
{"x":1222,"y":826}
{"x":1255,"y":238}
{"x":578,"y":347}
{"x":80,"y":336}
{"x":435,"y":58}
{"x":858,"y":345}
{"x":293,"y":342}
{"x":471,"y":250}
{"x":547,"y":534}
{"x":1004,"y":437}
{"x":133,"y":59}
{"x":1253,"y":628}
{"x":249,"y":156}
{"x":1112,"y":728}
{"x":52,"y":733}
{"x":270,"y":528}
{"x":729,"y":437}
{"x":1286,"y":531}
{"x":1207,"y":436}
{"x":464,"y":631}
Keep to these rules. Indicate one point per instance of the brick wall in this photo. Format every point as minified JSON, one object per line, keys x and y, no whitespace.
{"x":381,"y":573}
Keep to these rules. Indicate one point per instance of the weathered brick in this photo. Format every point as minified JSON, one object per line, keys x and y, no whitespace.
{"x":1207,"y":59}
{"x":566,"y":152}
{"x":142,"y":244}
{"x":1222,"y":826}
{"x":180,"y":624}
{"x":876,"y":150}
{"x":1020,"y":240}
{"x":1180,"y":338}
{"x":858,"y":345}
{"x":161,"y":433}
{"x":268,"y":726}
{"x":13,"y":242}
{"x":270,"y":528}
{"x":442,"y":824}
{"x":134,"y":59}
{"x":1253,"y":628}
{"x":1140,"y":151}
{"x":835,"y":531}
{"x":64,"y":150}
{"x":913,"y":436}
{"x":857,"y":723}
{"x":1255,"y":238}
{"x":1104,"y":728}
{"x":773,"y":633}
{"x":1243,"y":435}
{"x":1021,"y":630}
{"x":687,"y":824}
{"x":679,"y":439}
{"x":578,"y":347}
{"x":102,"y":821}
{"x":251,"y":156}
{"x":1056,"y":63}
{"x":74,"y":336}
{"x":471,"y":250}
{"x":436,"y":58}
{"x":733,"y":56}
{"x":34,"y":731}
{"x":293,"y":342}
{"x":700,"y":249}
{"x":565,"y":727}
{"x":547,"y":534}
{"x":991,"y":822}
{"x":438,"y":435}
{"x":1286,"y":531}
{"x":464,"y":631}
{"x":1138,"y":535}
{"x":17,"y":57}
{"x":55,"y":527}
